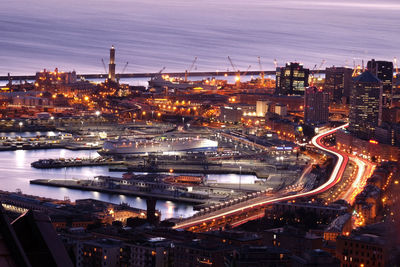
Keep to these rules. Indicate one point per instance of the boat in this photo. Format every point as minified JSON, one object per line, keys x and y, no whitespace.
{"x":158,"y":145}
{"x":162,"y":81}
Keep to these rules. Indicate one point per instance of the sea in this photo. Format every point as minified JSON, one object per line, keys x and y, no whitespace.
{"x":152,"y":34}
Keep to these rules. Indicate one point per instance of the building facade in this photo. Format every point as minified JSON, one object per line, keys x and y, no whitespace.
{"x":365,"y":105}
{"x":262,"y":107}
{"x":291,"y":79}
{"x":338,"y":84}
{"x":383,"y":70}
{"x":316,"y":106}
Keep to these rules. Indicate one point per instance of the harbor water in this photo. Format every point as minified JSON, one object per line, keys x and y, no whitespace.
{"x":16,"y":172}
{"x":76,"y":35}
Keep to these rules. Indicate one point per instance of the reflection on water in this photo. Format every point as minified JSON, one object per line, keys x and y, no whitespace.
{"x":15,"y":173}
{"x":153,"y":33}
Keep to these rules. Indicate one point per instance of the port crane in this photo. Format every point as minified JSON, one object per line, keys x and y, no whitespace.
{"x":315,"y":71}
{"x":123,"y":70}
{"x":190,"y":69}
{"x":262,"y":74}
{"x":237,"y":78}
{"x":104,"y":66}
{"x":247,"y":70}
{"x":396,"y":67}
{"x":161,"y":70}
{"x":356,"y":69}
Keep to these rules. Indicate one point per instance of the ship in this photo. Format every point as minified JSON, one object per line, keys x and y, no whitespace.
{"x":160,"y":81}
{"x":158,"y":145}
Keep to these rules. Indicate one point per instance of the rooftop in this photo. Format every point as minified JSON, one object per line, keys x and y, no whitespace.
{"x":366,"y":77}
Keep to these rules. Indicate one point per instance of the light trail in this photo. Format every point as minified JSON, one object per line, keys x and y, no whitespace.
{"x":342,"y":160}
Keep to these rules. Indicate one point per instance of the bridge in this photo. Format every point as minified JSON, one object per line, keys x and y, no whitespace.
{"x":244,"y":209}
{"x":152,"y":74}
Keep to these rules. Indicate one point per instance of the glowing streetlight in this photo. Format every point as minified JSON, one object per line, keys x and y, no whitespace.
{"x":240,"y":177}
{"x":20,"y":125}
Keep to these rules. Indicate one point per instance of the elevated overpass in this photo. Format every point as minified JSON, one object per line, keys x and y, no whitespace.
{"x":242,"y":210}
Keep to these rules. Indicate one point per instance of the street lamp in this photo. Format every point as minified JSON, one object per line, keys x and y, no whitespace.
{"x":20,"y":125}
{"x":240,"y":177}
{"x":97,"y":115}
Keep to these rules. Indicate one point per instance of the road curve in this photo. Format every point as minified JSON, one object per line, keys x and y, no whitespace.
{"x":342,"y":160}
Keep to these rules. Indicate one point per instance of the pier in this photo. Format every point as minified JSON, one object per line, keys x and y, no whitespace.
{"x":63,"y":163}
{"x":86,"y":185}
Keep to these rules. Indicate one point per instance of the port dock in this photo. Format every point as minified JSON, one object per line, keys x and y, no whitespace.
{"x":74,"y":162}
{"x":87,"y":186}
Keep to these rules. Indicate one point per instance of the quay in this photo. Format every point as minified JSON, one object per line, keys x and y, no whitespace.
{"x":62,"y":163}
{"x":86,"y":185}
{"x":150,"y":74}
{"x":29,"y":146}
{"x":261,"y":173}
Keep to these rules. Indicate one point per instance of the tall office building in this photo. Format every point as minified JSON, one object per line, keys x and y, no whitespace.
{"x":316,"y":106}
{"x":291,"y":79}
{"x":338,"y":84}
{"x":111,"y":66}
{"x":383,"y":70}
{"x":365,"y":105}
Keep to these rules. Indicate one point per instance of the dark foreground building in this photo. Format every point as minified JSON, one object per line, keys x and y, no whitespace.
{"x":31,"y":240}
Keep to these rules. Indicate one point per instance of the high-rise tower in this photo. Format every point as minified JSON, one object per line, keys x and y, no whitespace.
{"x":365,"y":105}
{"x":316,"y":106}
{"x":383,"y":70}
{"x":111,"y":66}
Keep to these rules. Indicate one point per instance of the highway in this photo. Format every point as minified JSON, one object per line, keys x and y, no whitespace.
{"x":256,"y":203}
{"x":365,"y":170}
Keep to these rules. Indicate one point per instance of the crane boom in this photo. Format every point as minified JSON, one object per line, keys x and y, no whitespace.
{"x":233,"y":65}
{"x":321,"y":65}
{"x":161,"y":70}
{"x":123,"y":70}
{"x":126,"y":65}
{"x":191,"y":66}
{"x":262,"y":75}
{"x":244,"y":74}
{"x":396,"y":67}
{"x":190,"y":69}
{"x":104,"y":65}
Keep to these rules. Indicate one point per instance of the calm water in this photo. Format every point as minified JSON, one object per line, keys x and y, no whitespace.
{"x":75,"y":34}
{"x":15,"y":173}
